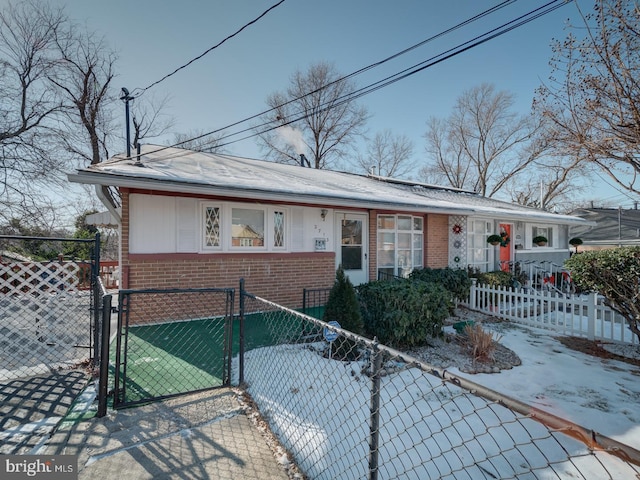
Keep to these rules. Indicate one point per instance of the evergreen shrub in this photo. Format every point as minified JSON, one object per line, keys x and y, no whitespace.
{"x":404,"y":313}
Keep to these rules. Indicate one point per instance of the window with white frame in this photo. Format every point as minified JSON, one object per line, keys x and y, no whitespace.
{"x":477,"y":246}
{"x":400,"y":244}
{"x":542,"y":231}
{"x":233,"y":227}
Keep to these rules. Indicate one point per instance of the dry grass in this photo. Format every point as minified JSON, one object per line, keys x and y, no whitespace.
{"x":480,"y":343}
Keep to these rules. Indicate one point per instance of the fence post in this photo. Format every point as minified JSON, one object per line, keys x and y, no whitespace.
{"x":103,"y":379}
{"x":95,"y":285}
{"x":591,"y":315}
{"x":472,"y":294}
{"x":374,"y":429}
{"x":241,"y":339}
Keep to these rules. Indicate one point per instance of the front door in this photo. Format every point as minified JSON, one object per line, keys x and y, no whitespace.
{"x":505,"y":251}
{"x":352,"y":241}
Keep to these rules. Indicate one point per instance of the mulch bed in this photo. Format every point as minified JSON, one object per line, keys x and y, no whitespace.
{"x":593,"y":347}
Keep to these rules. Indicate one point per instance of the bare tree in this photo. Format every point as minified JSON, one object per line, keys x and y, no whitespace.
{"x":314,"y":116}
{"x":83,"y":75}
{"x":593,"y":95}
{"x":388,"y":154}
{"x":199,"y":141}
{"x":29,"y":101}
{"x":148,"y":118}
{"x":448,"y":165}
{"x":483,"y":145}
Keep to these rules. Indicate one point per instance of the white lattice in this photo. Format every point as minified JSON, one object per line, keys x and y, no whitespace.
{"x":457,"y":241}
{"x":30,"y":277}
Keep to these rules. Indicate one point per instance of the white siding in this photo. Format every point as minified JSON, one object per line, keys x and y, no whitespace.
{"x":188,"y":230}
{"x":152,"y":224}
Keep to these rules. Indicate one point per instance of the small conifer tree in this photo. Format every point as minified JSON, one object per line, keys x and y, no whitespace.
{"x":342,"y":304}
{"x":343,"y":307}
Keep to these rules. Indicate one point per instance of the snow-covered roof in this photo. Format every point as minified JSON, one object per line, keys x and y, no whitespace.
{"x":185,"y":171}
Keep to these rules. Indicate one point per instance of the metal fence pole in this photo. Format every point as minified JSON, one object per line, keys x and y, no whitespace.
{"x":104,"y":356}
{"x":241,"y":340}
{"x":95,"y":274}
{"x":376,"y":366}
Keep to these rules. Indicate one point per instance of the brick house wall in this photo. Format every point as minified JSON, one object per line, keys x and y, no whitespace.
{"x":436,"y":238}
{"x":279,"y":277}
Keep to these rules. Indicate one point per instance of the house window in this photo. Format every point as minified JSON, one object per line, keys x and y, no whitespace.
{"x":247,"y":227}
{"x":546,"y":232}
{"x":278,"y":229}
{"x":400,"y":244}
{"x":212,"y":227}
{"x":231,"y":227}
{"x":477,"y":246}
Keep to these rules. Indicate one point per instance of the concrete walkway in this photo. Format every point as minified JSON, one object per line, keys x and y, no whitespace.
{"x":200,"y":436}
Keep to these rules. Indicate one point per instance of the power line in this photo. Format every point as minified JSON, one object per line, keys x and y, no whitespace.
{"x":405,"y":73}
{"x":452,"y":52}
{"x":357,"y":72}
{"x":138,"y":91}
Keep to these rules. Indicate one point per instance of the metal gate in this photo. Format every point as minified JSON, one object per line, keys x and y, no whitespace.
{"x":172,"y":342}
{"x":48,"y":320}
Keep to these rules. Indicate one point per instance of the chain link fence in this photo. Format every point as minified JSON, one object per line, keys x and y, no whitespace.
{"x":346,"y":407}
{"x":46,"y":311}
{"x":171,"y":342}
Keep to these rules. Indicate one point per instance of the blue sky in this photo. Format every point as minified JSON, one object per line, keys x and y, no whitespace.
{"x":232,"y":82}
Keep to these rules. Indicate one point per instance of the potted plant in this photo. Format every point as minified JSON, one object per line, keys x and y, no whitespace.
{"x":540,"y":240}
{"x":494,"y":239}
{"x":575,"y":242}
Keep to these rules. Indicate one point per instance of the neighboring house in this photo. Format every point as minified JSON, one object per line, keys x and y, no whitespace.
{"x":192,"y":219}
{"x":611,"y":227}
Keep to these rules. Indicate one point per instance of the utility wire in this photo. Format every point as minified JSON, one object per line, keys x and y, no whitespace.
{"x":357,"y":72}
{"x":463,"y":47}
{"x":137,"y":92}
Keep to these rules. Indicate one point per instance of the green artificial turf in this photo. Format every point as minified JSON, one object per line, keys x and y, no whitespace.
{"x":172,"y":358}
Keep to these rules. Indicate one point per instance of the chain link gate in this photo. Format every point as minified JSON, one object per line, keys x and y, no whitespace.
{"x":171,"y":342}
{"x":48,"y":320}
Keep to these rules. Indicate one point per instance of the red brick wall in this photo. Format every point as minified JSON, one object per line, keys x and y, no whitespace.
{"x":279,"y":277}
{"x":436,"y":237}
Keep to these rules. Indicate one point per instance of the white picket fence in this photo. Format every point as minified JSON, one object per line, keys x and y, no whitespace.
{"x":577,"y":315}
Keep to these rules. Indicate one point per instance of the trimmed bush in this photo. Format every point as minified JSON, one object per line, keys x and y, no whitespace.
{"x":404,"y":313}
{"x":457,"y":281}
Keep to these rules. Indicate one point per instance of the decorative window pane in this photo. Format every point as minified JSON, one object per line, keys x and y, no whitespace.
{"x":247,"y":228}
{"x":212,"y":227}
{"x":278,"y":229}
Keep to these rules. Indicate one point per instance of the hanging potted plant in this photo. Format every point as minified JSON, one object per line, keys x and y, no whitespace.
{"x":575,"y":242}
{"x":540,"y":240}
{"x":494,"y":239}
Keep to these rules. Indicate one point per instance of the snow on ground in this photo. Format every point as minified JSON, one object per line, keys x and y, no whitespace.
{"x":599,"y":394}
{"x":319,"y":408}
